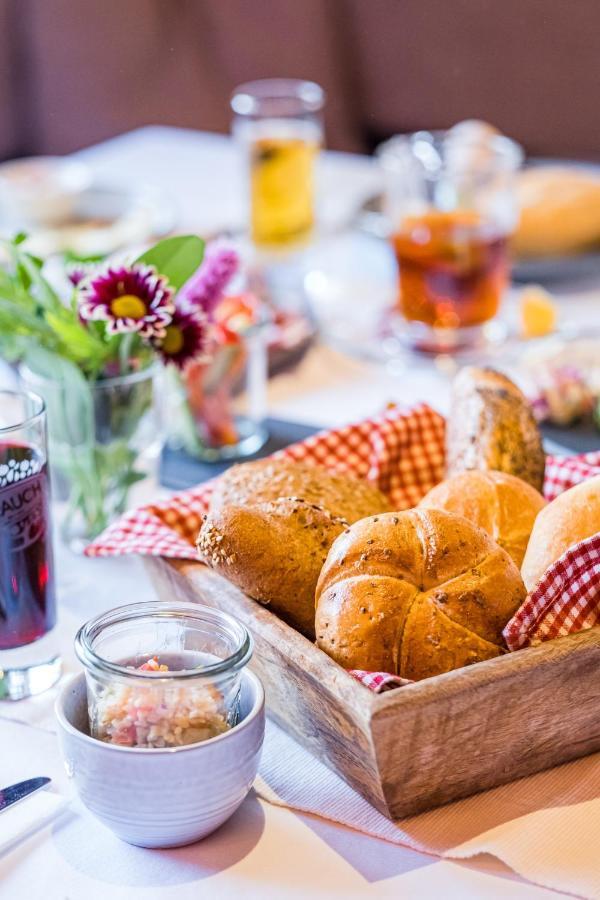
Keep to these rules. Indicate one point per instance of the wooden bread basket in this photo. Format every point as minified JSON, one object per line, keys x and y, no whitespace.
{"x":427,"y":743}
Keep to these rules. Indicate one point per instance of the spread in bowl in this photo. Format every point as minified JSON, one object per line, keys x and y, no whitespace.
{"x":161,"y":674}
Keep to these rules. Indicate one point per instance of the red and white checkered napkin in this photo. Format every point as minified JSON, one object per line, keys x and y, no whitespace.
{"x":402,"y":452}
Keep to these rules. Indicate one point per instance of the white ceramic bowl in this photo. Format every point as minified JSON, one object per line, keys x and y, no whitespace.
{"x":41,"y":191}
{"x":162,"y":797}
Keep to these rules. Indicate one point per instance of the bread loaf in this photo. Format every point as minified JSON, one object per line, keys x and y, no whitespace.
{"x":270,"y":525}
{"x":415,"y":593}
{"x":560,"y":211}
{"x":570,"y":518}
{"x":491,"y":426}
{"x":503,"y":505}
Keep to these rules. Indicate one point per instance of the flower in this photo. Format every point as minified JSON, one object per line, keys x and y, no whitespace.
{"x":77,"y":273}
{"x":205,"y":288}
{"x":185,"y":338}
{"x":129,"y":298}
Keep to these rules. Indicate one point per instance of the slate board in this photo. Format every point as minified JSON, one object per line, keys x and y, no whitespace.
{"x":178,"y":470}
{"x":581,"y":438}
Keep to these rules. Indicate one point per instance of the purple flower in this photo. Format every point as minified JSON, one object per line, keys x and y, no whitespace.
{"x":128,"y":298}
{"x":77,"y":273}
{"x":185,"y":338}
{"x":204,"y":289}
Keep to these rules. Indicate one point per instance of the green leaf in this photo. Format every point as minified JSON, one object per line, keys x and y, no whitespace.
{"x":70,"y":256}
{"x":177,"y":258}
{"x":28,"y":269}
{"x":80,"y":344}
{"x":68,"y":399}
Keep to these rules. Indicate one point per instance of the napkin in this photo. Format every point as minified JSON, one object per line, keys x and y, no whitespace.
{"x":544,"y":827}
{"x":27,"y":816}
{"x":402,"y":452}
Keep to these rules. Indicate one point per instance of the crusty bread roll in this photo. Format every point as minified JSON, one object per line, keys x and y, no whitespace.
{"x":491,"y":426}
{"x":415,"y":593}
{"x":503,"y":505}
{"x":560,"y":211}
{"x":570,"y":518}
{"x":270,"y":525}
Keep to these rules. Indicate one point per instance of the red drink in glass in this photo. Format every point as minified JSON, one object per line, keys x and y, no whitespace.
{"x":29,"y":659}
{"x":27,"y":601}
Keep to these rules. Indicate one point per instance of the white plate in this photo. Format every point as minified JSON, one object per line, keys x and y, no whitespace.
{"x":105,"y":218}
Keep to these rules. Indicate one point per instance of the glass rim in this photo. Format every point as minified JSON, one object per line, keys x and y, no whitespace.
{"x":100,"y":383}
{"x":28,"y":420}
{"x":163,"y":610}
{"x":504,"y":148}
{"x":247,"y":98}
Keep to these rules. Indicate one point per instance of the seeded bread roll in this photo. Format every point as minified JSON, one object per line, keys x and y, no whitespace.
{"x":491,"y":426}
{"x":503,"y":505}
{"x":270,"y":525}
{"x":415,"y":593}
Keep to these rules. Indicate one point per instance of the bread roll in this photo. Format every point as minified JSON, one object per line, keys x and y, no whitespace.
{"x":570,"y":518}
{"x":491,"y":426}
{"x":503,"y":505}
{"x":560,"y":211}
{"x":415,"y":593}
{"x":270,"y":525}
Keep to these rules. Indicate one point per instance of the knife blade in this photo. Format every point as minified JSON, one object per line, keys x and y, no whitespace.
{"x":15,"y":792}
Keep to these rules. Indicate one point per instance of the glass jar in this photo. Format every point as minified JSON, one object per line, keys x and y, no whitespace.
{"x":451,"y":207}
{"x":104,"y":436}
{"x":278,"y":124}
{"x":134,"y":701}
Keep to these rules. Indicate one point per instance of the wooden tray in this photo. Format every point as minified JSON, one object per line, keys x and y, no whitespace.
{"x":428,"y":743}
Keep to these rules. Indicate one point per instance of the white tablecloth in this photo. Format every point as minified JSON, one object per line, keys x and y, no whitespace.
{"x":265,"y":851}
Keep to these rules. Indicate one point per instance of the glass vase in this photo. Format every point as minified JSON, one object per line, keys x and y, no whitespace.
{"x":217,"y":408}
{"x":103,"y":437}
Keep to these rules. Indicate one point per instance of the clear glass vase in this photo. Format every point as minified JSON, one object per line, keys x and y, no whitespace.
{"x":104,"y":437}
{"x":217,"y":408}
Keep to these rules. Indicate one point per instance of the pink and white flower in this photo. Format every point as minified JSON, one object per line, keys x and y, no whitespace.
{"x":129,"y":299}
{"x":186,"y":338}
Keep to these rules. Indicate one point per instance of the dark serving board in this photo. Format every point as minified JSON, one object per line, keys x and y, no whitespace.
{"x":581,"y":438}
{"x":178,"y":470}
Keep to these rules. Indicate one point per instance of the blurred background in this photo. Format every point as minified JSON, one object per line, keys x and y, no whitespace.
{"x":75,"y":72}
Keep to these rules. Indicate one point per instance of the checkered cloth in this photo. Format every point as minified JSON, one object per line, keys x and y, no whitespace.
{"x":402,"y":452}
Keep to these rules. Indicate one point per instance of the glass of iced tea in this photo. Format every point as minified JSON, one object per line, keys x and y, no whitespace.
{"x":278,"y":123}
{"x":28,"y":660}
{"x":451,"y":208}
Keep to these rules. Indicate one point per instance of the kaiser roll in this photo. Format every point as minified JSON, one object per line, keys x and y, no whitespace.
{"x":270,"y":524}
{"x":572,"y":517}
{"x":415,"y":593}
{"x":501,"y":504}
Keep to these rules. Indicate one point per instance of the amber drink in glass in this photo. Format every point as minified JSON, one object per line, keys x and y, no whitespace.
{"x":451,"y":209}
{"x":278,"y":124}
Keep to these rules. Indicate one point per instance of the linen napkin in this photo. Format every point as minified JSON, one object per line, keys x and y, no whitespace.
{"x":27,"y":816}
{"x":545,"y":827}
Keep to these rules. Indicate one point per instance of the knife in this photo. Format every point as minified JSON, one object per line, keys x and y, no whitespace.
{"x":16,"y":792}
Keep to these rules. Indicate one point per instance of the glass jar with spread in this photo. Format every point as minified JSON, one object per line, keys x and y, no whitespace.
{"x":162,"y":674}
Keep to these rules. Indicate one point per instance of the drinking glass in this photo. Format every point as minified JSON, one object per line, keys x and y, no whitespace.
{"x":28,"y":661}
{"x":278,"y":123}
{"x":451,"y":207}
